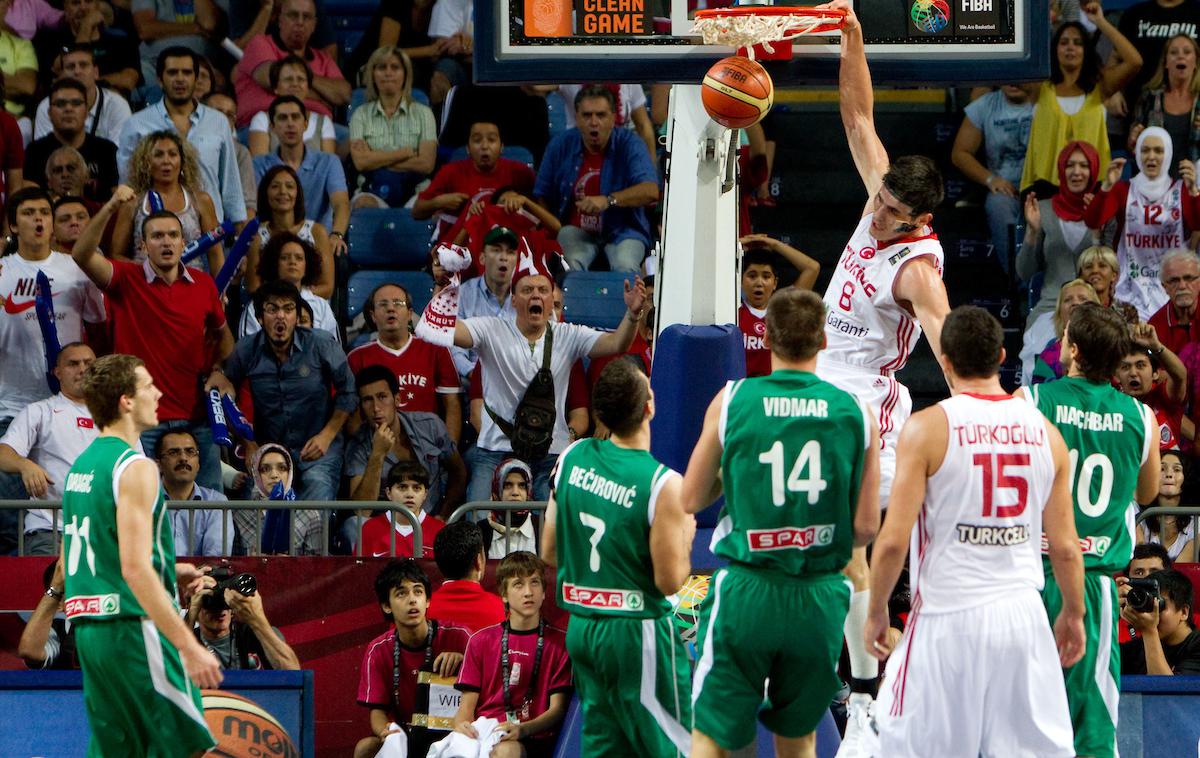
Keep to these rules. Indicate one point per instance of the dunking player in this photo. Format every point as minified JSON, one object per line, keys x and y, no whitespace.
{"x":980,"y":474}
{"x":1113,"y":444}
{"x":616,"y":528}
{"x":139,"y":660}
{"x":886,"y":290}
{"x":800,"y":465}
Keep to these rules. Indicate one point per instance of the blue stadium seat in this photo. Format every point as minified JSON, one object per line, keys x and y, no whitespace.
{"x":388,"y":238}
{"x":512,"y":152}
{"x":595,"y":298}
{"x":418,"y":283}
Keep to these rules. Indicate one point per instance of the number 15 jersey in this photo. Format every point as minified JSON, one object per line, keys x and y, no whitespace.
{"x":978,"y":534}
{"x":793,"y":448}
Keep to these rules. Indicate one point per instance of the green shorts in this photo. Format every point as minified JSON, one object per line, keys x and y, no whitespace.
{"x":632,"y":676}
{"x":765,"y":630}
{"x":138,"y":697}
{"x":1093,"y":683}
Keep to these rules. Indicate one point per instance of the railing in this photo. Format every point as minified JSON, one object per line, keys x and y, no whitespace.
{"x":495,"y":505}
{"x":1174,"y":510}
{"x":225,"y":506}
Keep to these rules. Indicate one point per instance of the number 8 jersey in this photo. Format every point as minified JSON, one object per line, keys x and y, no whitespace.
{"x":864,"y":325}
{"x":978,"y":533}
{"x":793,"y":448}
{"x":604,"y":497}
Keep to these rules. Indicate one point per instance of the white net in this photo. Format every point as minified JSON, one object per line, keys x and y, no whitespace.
{"x":754,"y":29}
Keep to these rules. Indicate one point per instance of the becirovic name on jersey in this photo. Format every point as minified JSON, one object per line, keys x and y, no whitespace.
{"x":588,"y":480}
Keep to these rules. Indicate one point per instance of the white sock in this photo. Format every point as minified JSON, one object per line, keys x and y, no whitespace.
{"x":863,"y":665}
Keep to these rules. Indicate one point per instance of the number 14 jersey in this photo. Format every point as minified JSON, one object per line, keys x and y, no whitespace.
{"x":793,"y":448}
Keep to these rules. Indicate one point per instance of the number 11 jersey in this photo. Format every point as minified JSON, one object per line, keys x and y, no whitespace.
{"x":793,"y":448}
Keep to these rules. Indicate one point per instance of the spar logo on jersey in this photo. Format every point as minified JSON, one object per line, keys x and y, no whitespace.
{"x":790,"y":538}
{"x":603,"y":599}
{"x":1090,"y":545}
{"x":93,"y":605}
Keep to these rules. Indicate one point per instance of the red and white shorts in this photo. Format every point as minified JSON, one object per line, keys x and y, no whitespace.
{"x":983,"y":681}
{"x":890,"y":401}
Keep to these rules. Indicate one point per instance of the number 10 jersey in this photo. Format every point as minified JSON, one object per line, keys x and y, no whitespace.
{"x":793,"y":448}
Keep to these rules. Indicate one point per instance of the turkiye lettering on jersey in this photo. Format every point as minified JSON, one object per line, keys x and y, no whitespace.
{"x":864,"y":325}
{"x":1149,"y":232}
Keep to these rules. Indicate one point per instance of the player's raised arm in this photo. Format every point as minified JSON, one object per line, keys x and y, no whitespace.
{"x":702,"y":482}
{"x":858,"y":103}
{"x":920,"y":284}
{"x":1058,"y":523}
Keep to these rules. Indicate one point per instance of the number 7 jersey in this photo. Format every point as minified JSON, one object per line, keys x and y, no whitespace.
{"x":604,"y":498}
{"x":793,"y":448}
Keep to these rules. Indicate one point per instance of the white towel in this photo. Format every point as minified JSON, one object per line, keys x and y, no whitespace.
{"x":461,"y":746}
{"x":396,"y":744}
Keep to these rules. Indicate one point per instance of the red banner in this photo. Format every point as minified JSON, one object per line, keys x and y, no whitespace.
{"x":325,"y":607}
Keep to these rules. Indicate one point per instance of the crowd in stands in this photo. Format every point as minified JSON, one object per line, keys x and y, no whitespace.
{"x":132,"y":129}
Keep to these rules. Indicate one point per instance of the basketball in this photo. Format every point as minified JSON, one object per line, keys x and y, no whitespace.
{"x":243,"y":728}
{"x":737,"y":92}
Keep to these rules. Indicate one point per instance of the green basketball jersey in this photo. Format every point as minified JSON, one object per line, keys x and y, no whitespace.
{"x":1108,"y":435}
{"x":95,"y":588}
{"x":605,"y":497}
{"x":794,"y":447}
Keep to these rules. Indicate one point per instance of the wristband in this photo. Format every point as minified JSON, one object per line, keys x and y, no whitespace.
{"x":339,"y":235}
{"x":612,"y":201}
{"x":56,"y":594}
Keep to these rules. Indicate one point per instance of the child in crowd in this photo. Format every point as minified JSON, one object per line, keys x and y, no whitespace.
{"x":407,"y":483}
{"x":404,"y":669}
{"x":517,"y":672}
{"x":1155,"y":375}
{"x":461,"y":600}
{"x":761,"y":261}
{"x":511,"y":483}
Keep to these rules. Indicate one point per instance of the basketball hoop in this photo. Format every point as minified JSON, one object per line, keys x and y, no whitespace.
{"x":753,"y":28}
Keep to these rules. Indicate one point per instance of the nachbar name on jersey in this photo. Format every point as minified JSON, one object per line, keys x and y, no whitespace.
{"x":598,"y":597}
{"x":974,"y":534}
{"x":795,"y":406}
{"x":1089,"y":421}
{"x":589,"y":481}
{"x":1000,"y":434}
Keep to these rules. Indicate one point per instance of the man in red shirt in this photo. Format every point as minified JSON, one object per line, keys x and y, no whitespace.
{"x":460,"y":185}
{"x":461,"y":601}
{"x":1176,"y":321}
{"x":409,"y":670}
{"x":168,"y":315}
{"x":252,"y":77}
{"x":425,"y":373}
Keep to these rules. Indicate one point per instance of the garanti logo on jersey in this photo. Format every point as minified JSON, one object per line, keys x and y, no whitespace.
{"x":790,"y":537}
{"x":596,"y":597}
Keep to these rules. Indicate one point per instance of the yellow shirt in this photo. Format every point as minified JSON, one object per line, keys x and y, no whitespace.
{"x":1052,"y":129}
{"x":15,"y":54}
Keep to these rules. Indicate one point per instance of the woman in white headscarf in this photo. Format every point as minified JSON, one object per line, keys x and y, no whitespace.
{"x":1155,"y":214}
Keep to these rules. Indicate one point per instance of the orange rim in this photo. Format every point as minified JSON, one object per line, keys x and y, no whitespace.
{"x":835,"y":17}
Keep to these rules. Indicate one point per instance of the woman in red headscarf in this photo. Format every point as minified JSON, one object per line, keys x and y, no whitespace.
{"x":1055,"y":235}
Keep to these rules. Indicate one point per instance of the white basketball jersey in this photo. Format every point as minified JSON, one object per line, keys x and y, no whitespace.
{"x":978,"y":535}
{"x":1149,"y":232}
{"x":864,"y":325}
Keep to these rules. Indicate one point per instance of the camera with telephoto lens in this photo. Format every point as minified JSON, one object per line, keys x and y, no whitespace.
{"x":1143,"y":595}
{"x":244,"y":584}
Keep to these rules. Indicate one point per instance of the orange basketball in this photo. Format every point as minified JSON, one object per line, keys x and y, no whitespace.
{"x":243,"y":728}
{"x":737,"y":92}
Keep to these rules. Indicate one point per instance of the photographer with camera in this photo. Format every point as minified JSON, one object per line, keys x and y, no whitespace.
{"x":1159,"y":608}
{"x":227,"y":617}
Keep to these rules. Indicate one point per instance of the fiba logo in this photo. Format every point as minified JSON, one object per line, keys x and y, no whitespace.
{"x":976,"y":6}
{"x":931,"y":16}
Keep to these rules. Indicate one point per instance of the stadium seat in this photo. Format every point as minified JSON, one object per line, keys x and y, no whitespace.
{"x":595,"y":298}
{"x":388,"y":238}
{"x":418,"y":283}
{"x":512,"y":152}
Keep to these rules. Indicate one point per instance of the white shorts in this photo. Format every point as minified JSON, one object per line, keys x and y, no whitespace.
{"x":984,"y":681}
{"x":890,"y":401}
